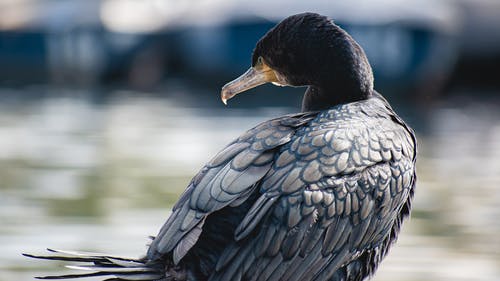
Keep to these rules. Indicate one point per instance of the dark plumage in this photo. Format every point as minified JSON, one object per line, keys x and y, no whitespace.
{"x":309,"y":49}
{"x":318,"y":195}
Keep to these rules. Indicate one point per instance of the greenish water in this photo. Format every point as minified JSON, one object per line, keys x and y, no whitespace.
{"x":101,"y":176}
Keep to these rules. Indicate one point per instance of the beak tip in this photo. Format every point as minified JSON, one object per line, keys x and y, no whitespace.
{"x":225,"y":95}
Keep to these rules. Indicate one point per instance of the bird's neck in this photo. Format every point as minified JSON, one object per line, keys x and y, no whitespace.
{"x":316,"y":99}
{"x":343,"y":74}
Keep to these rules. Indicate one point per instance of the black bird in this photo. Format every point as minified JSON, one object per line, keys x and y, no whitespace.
{"x":317,"y":195}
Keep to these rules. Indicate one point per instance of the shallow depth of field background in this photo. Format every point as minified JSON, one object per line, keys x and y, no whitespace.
{"x":108,"y":108}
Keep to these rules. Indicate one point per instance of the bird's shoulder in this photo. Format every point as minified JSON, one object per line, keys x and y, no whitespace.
{"x":344,"y":140}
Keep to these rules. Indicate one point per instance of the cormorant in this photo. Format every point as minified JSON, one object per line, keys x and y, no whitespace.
{"x":317,"y":195}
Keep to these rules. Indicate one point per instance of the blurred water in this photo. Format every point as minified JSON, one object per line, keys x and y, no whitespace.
{"x":100,"y":176}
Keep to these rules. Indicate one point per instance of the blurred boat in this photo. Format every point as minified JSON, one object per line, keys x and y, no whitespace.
{"x":412,"y":45}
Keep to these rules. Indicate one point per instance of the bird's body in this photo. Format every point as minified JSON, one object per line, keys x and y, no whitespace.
{"x":318,"y":195}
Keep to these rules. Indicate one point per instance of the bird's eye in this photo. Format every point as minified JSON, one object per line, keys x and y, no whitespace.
{"x":260,"y":60}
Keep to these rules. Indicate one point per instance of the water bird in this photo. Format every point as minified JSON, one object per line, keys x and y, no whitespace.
{"x":316,"y":195}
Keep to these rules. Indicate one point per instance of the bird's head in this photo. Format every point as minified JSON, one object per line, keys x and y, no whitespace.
{"x":306,"y":50}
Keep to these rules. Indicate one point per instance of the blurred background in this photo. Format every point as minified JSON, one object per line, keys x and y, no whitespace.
{"x":108,"y":108}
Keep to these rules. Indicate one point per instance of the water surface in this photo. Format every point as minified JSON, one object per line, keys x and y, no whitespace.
{"x":91,"y":174}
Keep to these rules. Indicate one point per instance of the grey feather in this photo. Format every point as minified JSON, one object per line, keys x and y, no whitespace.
{"x":270,"y":268}
{"x":228,"y":153}
{"x":258,"y":211}
{"x":187,"y":242}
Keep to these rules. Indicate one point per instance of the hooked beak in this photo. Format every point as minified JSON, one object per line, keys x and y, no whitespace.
{"x":257,"y":75}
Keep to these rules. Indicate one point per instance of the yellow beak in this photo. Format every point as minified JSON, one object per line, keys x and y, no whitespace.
{"x":257,"y":75}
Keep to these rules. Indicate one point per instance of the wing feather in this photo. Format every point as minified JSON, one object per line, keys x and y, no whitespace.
{"x":227,"y":180}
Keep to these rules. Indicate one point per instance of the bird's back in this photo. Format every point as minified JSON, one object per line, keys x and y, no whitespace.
{"x":332,"y":190}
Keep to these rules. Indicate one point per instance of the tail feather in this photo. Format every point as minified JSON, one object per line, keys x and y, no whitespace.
{"x":110,"y":269}
{"x":118,"y":268}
